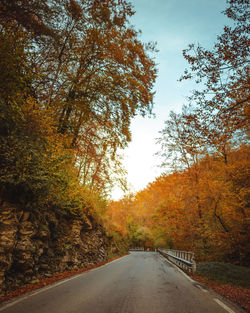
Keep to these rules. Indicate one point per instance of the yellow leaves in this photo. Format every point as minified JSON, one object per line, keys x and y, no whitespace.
{"x":170,"y":206}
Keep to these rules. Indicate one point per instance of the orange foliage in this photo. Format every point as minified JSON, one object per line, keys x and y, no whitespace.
{"x":207,"y":215}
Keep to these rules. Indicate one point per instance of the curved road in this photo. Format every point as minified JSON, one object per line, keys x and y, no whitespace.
{"x":143,"y":282}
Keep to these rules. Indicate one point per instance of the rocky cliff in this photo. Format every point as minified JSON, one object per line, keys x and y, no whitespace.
{"x":37,"y":244}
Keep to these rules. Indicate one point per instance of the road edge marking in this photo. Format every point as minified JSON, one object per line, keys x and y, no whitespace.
{"x":204,"y":290}
{"x":179,"y":270}
{"x":33,"y":293}
{"x":117,"y":260}
{"x":225,"y":307}
{"x":6,"y":306}
{"x":45,"y":288}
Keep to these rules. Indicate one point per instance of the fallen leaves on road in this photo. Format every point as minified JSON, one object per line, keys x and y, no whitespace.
{"x":48,"y":281}
{"x":236,"y":294}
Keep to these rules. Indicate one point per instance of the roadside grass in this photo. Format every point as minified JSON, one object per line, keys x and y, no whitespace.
{"x":225,"y":273}
{"x":230,"y":281}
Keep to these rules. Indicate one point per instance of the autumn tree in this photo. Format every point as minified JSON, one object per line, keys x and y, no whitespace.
{"x":99,"y":74}
{"x":89,"y":68}
{"x":94,"y":159}
{"x":111,"y":81}
{"x":33,"y":161}
{"x":181,"y":142}
{"x":165,"y":212}
{"x":202,"y":141}
{"x":222,"y":102}
{"x":36,"y":17}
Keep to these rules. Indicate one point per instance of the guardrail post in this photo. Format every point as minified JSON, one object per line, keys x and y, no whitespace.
{"x":182,"y":259}
{"x":193,"y":266}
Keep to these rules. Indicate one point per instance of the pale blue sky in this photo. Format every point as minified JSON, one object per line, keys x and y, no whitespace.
{"x":173,"y":24}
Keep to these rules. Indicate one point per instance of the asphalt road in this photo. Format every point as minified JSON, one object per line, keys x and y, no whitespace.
{"x":143,"y":282}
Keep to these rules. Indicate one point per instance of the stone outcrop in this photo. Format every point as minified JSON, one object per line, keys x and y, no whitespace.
{"x":34,"y":245}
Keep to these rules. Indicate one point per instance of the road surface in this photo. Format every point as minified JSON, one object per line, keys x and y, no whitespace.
{"x":143,"y":282}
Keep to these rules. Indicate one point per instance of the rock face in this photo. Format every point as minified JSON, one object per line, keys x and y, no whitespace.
{"x":36,"y":245}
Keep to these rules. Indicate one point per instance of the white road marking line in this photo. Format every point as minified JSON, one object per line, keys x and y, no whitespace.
{"x":204,"y":290}
{"x":183,"y":273}
{"x":10,"y":304}
{"x":117,"y":260}
{"x":189,"y":278}
{"x":178,"y":269}
{"x":225,"y":307}
{"x":53,"y":285}
{"x":39,"y":291}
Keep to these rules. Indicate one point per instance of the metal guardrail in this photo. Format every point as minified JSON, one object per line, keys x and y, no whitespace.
{"x":137,"y":249}
{"x":183,"y":259}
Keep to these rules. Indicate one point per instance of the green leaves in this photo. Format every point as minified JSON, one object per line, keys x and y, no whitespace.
{"x":73,"y":75}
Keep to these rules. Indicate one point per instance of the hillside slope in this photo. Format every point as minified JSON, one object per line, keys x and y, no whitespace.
{"x":36,"y":245}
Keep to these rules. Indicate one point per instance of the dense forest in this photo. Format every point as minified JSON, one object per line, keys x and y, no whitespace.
{"x":201,"y":201}
{"x":73,"y":74}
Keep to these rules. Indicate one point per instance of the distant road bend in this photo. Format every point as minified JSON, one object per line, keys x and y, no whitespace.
{"x":143,"y":282}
